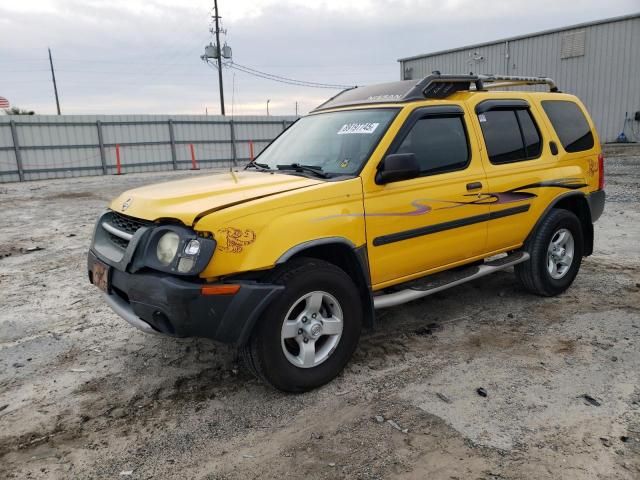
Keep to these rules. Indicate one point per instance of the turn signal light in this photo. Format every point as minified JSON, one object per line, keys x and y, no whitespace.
{"x":222,"y":289}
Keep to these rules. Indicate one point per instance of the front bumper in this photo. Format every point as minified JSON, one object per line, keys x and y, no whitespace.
{"x":155,"y":302}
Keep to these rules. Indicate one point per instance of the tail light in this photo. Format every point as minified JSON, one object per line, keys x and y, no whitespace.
{"x":601,"y":182}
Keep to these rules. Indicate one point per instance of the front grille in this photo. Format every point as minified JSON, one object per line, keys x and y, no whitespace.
{"x":117,"y":241}
{"x":126,"y":224}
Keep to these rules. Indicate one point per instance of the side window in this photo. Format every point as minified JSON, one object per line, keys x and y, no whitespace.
{"x":569,"y":123}
{"x":530,"y":135}
{"x":510,"y":135}
{"x":439,"y":144}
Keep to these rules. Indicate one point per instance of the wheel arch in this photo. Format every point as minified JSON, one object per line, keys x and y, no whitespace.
{"x":577,"y":203}
{"x":342,"y":253}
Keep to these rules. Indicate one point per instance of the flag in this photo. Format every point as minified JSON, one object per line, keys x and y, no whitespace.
{"x":4,"y":103}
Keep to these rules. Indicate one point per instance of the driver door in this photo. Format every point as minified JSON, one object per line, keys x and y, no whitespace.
{"x":437,"y":219}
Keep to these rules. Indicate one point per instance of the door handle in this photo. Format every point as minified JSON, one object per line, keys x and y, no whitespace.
{"x":474,"y":186}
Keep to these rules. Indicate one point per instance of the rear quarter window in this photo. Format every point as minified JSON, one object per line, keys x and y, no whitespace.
{"x":570,"y":124}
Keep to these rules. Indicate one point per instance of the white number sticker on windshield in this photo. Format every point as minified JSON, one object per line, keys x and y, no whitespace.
{"x":350,"y":128}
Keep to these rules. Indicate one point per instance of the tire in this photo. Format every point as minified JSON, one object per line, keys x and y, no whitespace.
{"x":286,"y":363}
{"x":549,"y":272}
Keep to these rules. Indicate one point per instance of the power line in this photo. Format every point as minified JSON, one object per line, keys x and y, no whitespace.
{"x":286,"y":80}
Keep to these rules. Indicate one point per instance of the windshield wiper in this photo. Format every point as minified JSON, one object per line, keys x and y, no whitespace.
{"x":259,"y":166}
{"x":304,"y":168}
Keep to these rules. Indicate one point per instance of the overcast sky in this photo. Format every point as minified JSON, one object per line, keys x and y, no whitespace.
{"x":142,"y":56}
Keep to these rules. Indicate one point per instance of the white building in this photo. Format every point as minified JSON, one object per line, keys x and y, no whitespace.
{"x":597,"y":61}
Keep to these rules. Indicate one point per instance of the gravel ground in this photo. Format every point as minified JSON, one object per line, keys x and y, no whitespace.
{"x":83,"y":395}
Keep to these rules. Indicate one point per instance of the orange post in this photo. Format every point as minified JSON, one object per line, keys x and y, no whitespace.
{"x":118,"y":164}
{"x":251,"y":150}
{"x":194,"y":165}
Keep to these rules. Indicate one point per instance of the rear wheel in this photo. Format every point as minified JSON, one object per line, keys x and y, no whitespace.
{"x":309,"y":333}
{"x":556,"y":250}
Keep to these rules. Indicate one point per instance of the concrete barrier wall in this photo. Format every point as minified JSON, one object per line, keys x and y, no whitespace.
{"x":48,"y":146}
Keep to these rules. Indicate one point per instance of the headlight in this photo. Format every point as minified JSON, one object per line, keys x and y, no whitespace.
{"x":174,"y":249}
{"x":192,"y":248}
{"x":167,"y":248}
{"x":186,"y":264}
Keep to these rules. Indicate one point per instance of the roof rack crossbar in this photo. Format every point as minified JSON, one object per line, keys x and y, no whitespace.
{"x":498,"y":81}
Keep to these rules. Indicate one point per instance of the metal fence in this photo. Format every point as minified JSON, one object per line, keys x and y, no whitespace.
{"x":43,"y":146}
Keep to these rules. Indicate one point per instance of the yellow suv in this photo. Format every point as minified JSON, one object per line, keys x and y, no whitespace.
{"x":382,"y":195}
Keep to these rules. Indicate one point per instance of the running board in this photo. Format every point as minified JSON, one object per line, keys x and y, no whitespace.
{"x":447,"y":279}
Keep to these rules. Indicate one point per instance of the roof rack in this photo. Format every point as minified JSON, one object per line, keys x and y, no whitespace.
{"x":435,"y":85}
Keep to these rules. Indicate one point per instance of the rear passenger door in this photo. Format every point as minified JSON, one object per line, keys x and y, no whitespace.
{"x":519,"y":162}
{"x":432,"y":221}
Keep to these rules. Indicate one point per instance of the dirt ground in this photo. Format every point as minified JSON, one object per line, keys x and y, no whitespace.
{"x":84,"y":395}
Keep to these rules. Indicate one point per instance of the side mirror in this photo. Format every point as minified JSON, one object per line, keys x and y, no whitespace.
{"x":396,"y":167}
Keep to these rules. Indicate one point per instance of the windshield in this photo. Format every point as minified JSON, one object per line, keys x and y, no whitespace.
{"x":339,"y":143}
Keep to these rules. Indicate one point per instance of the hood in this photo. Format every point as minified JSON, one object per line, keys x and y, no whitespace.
{"x":188,"y":199}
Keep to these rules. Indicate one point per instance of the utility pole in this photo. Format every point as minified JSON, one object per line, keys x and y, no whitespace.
{"x":55,"y":87}
{"x":217,"y":18}
{"x":268,"y":107}
{"x":296,"y":109}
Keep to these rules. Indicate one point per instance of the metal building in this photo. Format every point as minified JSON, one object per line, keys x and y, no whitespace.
{"x":597,"y":61}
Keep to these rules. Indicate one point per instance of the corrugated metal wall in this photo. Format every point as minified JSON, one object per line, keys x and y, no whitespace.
{"x":47,"y":146}
{"x":606,"y":78}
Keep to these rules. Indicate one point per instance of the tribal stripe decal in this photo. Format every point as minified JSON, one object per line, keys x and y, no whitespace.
{"x":499,"y":198}
{"x":419,"y":209}
{"x":509,"y":196}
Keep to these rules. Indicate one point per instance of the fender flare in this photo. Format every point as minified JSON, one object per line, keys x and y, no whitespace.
{"x":313,"y":243}
{"x":587,"y":226}
{"x":361,"y":264}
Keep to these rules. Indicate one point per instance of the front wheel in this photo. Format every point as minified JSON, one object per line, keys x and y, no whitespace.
{"x":556,"y":250}
{"x":309,"y":333}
